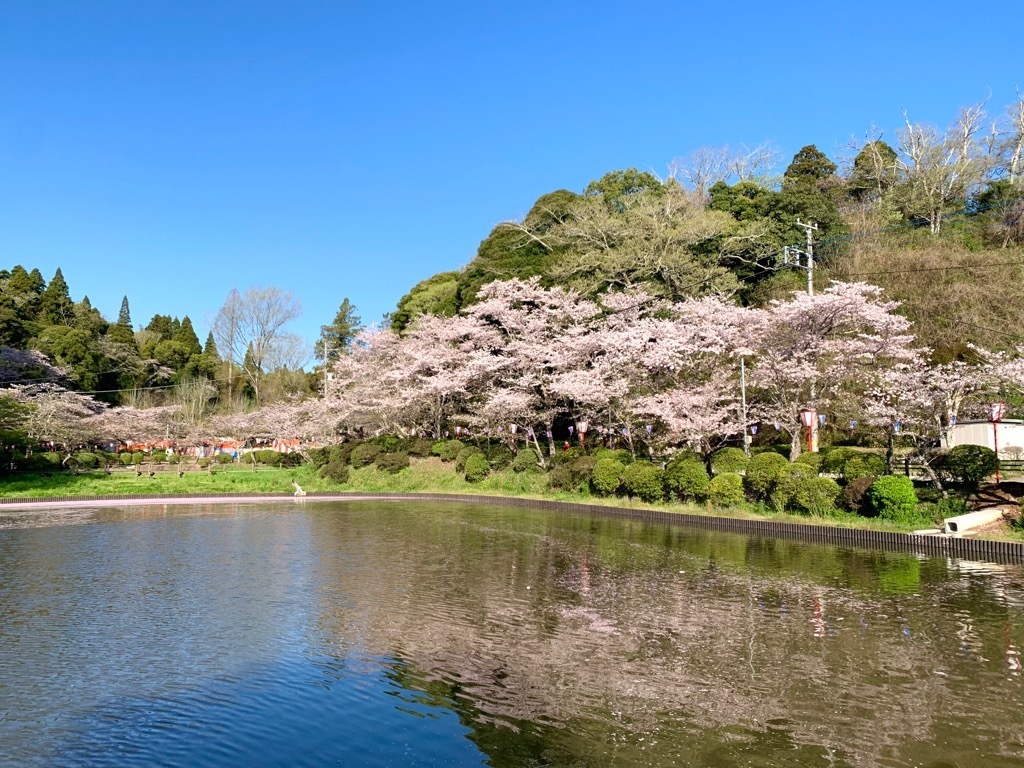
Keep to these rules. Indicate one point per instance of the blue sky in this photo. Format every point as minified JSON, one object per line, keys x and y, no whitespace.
{"x":172,"y":151}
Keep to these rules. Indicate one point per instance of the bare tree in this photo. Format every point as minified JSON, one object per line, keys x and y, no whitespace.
{"x":940,"y":170}
{"x":249,"y":325}
{"x":704,"y":167}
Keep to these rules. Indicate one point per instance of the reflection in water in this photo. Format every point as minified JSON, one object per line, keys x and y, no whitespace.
{"x":379,"y":634}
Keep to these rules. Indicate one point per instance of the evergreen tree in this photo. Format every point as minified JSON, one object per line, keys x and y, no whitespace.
{"x":55,"y":305}
{"x":124,"y":317}
{"x":163,"y":325}
{"x":337,"y":336}
{"x":186,"y":336}
{"x":210,"y":350}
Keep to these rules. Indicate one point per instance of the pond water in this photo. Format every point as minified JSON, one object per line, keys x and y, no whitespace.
{"x":385,"y":634}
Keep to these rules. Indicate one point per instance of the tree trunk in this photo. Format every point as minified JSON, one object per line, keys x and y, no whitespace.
{"x":794,"y":445}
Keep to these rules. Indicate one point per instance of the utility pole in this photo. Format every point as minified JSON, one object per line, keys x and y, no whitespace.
{"x":743,"y":405}
{"x":327,"y":366}
{"x":810,"y":229}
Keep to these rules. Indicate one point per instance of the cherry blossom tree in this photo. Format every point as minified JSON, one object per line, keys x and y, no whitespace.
{"x":813,"y":351}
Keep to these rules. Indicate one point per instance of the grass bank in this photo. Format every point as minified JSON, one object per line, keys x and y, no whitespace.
{"x":423,"y":476}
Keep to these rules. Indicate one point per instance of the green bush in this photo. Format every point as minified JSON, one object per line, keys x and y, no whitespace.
{"x":450,"y":450}
{"x":85,"y":460}
{"x":687,"y":480}
{"x":343,"y":452}
{"x":763,"y":471}
{"x":525,"y":461}
{"x":728,"y":460}
{"x":726,"y":490}
{"x":158,"y":457}
{"x":608,"y":475}
{"x":225,"y":458}
{"x":266,"y":456}
{"x":970,"y":464}
{"x":854,"y":496}
{"x":644,"y":480}
{"x":575,"y":475}
{"x":500,"y":456}
{"x":477,"y":467}
{"x":893,"y":498}
{"x":174,"y":458}
{"x":816,"y":495}
{"x":336,"y":471}
{"x":782,"y":491}
{"x":364,"y":455}
{"x":951,"y":506}
{"x":832,"y":461}
{"x":563,"y":456}
{"x":621,"y":455}
{"x":437,"y":447}
{"x":205,"y":461}
{"x":138,"y":457}
{"x":318,"y":457}
{"x":387,"y":443}
{"x":392,"y":462}
{"x":863,"y":465}
{"x":420,"y":447}
{"x":812,"y":460}
{"x":126,"y":459}
{"x":464,"y":454}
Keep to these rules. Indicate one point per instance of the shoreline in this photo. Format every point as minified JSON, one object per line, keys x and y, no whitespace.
{"x":987,"y":550}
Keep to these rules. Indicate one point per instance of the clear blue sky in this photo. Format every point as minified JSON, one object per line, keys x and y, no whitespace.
{"x":171,"y":151}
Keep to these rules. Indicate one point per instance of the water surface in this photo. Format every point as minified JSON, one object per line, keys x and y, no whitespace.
{"x":369,"y":633}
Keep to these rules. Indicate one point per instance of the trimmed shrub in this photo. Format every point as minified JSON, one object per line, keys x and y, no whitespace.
{"x":343,"y":452}
{"x":970,"y":464}
{"x":726,"y":490}
{"x":421,"y":447}
{"x":763,"y":471}
{"x":205,"y":461}
{"x":437,"y":447}
{"x":477,"y":467}
{"x":854,"y":496}
{"x":621,"y":455}
{"x":387,"y":443}
{"x":687,"y":480}
{"x":126,"y":459}
{"x":500,"y":456}
{"x":450,"y":450}
{"x":392,"y":462}
{"x":783,"y":489}
{"x":335,"y":471}
{"x":816,"y":495}
{"x":225,"y":458}
{"x":608,"y":475}
{"x":174,"y":458}
{"x":266,"y":456}
{"x":464,"y":454}
{"x":644,"y":480}
{"x":138,"y":457}
{"x":863,"y":465}
{"x":812,"y":460}
{"x":728,"y":460}
{"x":575,"y":475}
{"x":563,"y":456}
{"x":832,"y":461}
{"x":158,"y":457}
{"x":318,"y":457}
{"x":525,"y":461}
{"x":364,"y":455}
{"x":893,"y":498}
{"x":85,"y":460}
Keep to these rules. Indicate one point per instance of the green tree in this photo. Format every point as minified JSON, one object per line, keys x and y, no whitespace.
{"x":874,"y":171}
{"x":615,"y":187}
{"x":55,"y":305}
{"x":124,"y":317}
{"x":436,"y":295}
{"x":163,"y":325}
{"x":186,"y":336}
{"x":336,"y":338}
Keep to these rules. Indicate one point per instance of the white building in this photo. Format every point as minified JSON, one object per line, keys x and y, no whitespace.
{"x":1009,"y":432}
